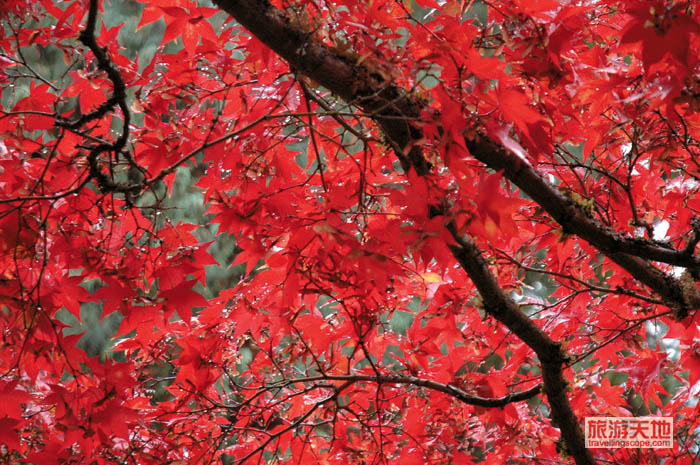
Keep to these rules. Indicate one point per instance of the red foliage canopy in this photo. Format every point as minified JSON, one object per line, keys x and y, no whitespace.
{"x":465,"y":227}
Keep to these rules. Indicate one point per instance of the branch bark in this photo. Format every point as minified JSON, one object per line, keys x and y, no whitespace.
{"x":552,"y":358}
{"x":118,"y":98}
{"x":393,"y":109}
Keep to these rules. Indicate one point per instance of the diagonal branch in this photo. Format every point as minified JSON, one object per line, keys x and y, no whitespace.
{"x":393,"y":109}
{"x":629,"y":253}
{"x":386,"y":101}
{"x":505,"y":310}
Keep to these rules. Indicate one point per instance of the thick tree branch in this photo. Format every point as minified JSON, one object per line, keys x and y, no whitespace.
{"x":383,"y":99}
{"x":500,"y":306}
{"x":505,"y":310}
{"x":389,"y":103}
{"x":567,"y":213}
{"x":358,"y":84}
{"x":626,"y":252}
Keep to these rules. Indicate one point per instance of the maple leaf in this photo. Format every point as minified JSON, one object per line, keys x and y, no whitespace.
{"x":113,"y":420}
{"x":8,"y":433}
{"x":183,"y":22}
{"x":646,"y":373}
{"x":89,"y":91}
{"x":39,"y":100}
{"x":183,"y":298}
{"x":662,"y":31}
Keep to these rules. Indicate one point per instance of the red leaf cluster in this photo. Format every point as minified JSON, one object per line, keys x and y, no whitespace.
{"x":462,"y":227}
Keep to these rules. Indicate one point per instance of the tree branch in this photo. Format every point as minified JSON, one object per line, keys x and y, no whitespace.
{"x":628,"y":253}
{"x":393,"y":109}
{"x":552,"y":358}
{"x":459,"y":394}
{"x":118,"y":98}
{"x":383,"y":99}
